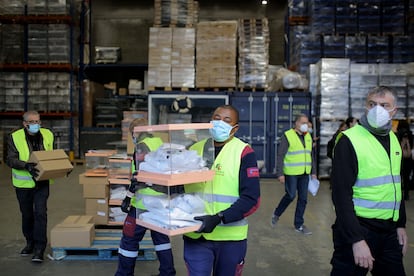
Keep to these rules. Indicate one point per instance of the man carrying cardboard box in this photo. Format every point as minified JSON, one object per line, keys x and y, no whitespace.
{"x":31,"y":194}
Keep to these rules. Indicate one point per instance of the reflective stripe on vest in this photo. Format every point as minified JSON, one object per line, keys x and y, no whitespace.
{"x":298,"y":159}
{"x":225,"y":188}
{"x":22,"y":178}
{"x":377,"y":190}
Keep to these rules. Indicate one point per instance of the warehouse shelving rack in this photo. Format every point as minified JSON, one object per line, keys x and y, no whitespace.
{"x":25,"y":67}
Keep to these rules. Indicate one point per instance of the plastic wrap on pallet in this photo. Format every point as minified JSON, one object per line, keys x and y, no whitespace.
{"x":393,"y":17}
{"x":14,"y":7}
{"x":298,"y":7}
{"x":253,"y":46}
{"x":369,"y":17}
{"x":177,"y":13}
{"x":355,"y":48}
{"x":346,"y":15}
{"x":322,"y":14}
{"x":333,"y":46}
{"x":12,"y":91}
{"x":402,"y":48}
{"x":333,"y":88}
{"x":378,"y":49}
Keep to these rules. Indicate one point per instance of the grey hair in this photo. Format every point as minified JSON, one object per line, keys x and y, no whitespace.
{"x":30,"y":113}
{"x":382,"y":91}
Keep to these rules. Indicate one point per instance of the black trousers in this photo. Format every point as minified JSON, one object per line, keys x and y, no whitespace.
{"x":385,"y":249}
{"x":33,"y":207}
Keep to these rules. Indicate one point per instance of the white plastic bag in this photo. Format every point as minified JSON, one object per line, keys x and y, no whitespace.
{"x":313,"y":186}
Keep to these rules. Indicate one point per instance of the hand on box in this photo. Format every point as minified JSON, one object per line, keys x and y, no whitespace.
{"x":209,"y":223}
{"x":31,"y":168}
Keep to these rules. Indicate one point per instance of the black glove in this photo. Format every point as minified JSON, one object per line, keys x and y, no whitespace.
{"x":126,"y":203}
{"x":31,"y":168}
{"x":134,"y":184}
{"x":209,"y":223}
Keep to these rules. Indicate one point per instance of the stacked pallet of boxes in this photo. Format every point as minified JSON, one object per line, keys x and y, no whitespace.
{"x":171,"y":53}
{"x":333,"y":102}
{"x":253,"y":58}
{"x":216,"y":49}
{"x":96,"y":186}
{"x":410,"y":93}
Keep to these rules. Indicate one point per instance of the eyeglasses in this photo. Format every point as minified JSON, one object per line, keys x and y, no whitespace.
{"x":32,"y":122}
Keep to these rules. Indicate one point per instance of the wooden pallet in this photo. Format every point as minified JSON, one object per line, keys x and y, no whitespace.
{"x":104,"y":248}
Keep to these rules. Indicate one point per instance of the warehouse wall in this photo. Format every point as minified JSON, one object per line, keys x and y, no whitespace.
{"x":126,"y":23}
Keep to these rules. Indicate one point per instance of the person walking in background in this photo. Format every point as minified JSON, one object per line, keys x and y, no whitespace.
{"x":294,"y":164}
{"x":348,"y":123}
{"x":132,"y":233}
{"x":32,"y":195}
{"x":219,"y":247}
{"x":369,"y":231}
{"x":405,"y":136}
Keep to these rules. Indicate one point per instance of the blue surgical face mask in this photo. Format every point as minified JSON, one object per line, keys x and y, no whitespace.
{"x":220,"y":131}
{"x":34,"y":128}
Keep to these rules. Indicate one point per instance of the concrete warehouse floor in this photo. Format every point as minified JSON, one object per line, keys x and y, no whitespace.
{"x":271,"y":251}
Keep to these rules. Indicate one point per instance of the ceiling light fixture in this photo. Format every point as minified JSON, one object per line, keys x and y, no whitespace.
{"x":264,"y":2}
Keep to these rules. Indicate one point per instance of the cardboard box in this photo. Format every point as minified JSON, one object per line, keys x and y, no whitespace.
{"x":98,"y":208}
{"x":94,"y":186}
{"x":51,"y":164}
{"x":74,"y":231}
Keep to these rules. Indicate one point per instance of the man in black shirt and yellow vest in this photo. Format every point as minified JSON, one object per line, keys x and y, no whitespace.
{"x":294,"y":164}
{"x":369,"y":231}
{"x":31,"y":194}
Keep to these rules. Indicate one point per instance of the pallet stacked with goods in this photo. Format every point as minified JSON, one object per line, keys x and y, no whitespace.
{"x":358,"y":33}
{"x":171,"y":51}
{"x":216,"y":47}
{"x":37,"y":71}
{"x":253,"y":57}
{"x":359,"y":30}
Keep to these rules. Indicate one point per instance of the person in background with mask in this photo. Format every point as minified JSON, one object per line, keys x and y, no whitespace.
{"x":133,"y":233}
{"x":294,"y":164}
{"x":369,"y":231}
{"x":219,"y":247}
{"x":32,"y":195}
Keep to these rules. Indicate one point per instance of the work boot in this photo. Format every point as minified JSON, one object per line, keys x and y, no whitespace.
{"x":27,"y":250}
{"x":38,"y":256}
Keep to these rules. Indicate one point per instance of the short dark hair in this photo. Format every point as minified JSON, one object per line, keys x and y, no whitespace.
{"x":230,"y":107}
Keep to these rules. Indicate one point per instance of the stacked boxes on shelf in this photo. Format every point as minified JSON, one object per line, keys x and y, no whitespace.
{"x":410,"y":91}
{"x":216,"y":47}
{"x":12,"y":91}
{"x":12,"y":7}
{"x":253,"y":58}
{"x":11,"y":42}
{"x":49,"y":91}
{"x":96,"y":186}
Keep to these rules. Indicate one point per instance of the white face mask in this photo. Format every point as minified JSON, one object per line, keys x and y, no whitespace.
{"x":378,"y":116}
{"x":303,"y":128}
